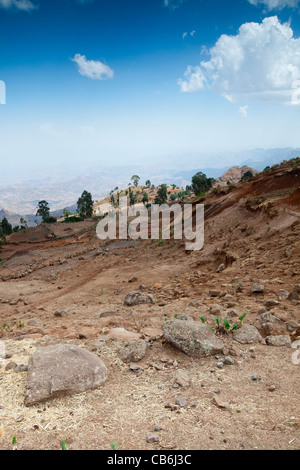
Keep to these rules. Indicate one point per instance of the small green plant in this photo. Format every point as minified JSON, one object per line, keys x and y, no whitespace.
{"x":63,"y":445}
{"x":159,"y":243}
{"x":175,"y":316}
{"x":203,"y":319}
{"x":226,"y":324}
{"x":113,"y":445}
{"x":241,"y":319}
{"x":218,"y":321}
{"x":101,"y":292}
{"x":14,"y":440}
{"x":5,"y":327}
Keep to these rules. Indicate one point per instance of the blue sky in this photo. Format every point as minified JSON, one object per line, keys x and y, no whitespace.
{"x":137,"y":81}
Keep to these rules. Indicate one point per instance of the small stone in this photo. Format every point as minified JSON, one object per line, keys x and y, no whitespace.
{"x":270,"y":303}
{"x":240,"y":287}
{"x":134,"y":367}
{"x":21,"y":368}
{"x":279,"y":341}
{"x":11,"y":365}
{"x":60,"y":313}
{"x":283,"y":294}
{"x":220,"y":365}
{"x":255,"y":378}
{"x":233,"y":314}
{"x":214,"y":293}
{"x":33,"y":322}
{"x":133,"y":352}
{"x":152,"y":438}
{"x":272,"y":388}
{"x":257,"y":288}
{"x":221,"y":268}
{"x":157,"y":428}
{"x":182,"y":402}
{"x":232,"y":352}
{"x":292,"y":326}
{"x":261,"y":266}
{"x":228,"y":361}
{"x":181,"y":379}
{"x":138,"y":298}
{"x":215,"y":309}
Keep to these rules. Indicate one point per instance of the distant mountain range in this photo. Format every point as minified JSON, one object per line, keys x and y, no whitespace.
{"x":63,"y":188}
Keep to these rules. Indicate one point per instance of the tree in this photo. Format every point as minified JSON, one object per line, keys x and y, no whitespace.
{"x":85,"y":205}
{"x":201,"y":184}
{"x":43,"y":210}
{"x":148,"y":184}
{"x":5,"y":227}
{"x":66,"y":213}
{"x":135,"y":179}
{"x":247,"y":176}
{"x":23,"y":223}
{"x":145,"y":198}
{"x":132,"y":198}
{"x":162,"y":196}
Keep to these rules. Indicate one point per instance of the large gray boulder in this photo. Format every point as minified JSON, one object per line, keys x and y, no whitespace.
{"x":61,"y":370}
{"x":247,"y":334}
{"x":193,"y":338}
{"x":138,"y":298}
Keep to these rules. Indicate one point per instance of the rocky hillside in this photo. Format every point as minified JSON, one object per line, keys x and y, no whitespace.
{"x":193,"y":350}
{"x":235,"y":174}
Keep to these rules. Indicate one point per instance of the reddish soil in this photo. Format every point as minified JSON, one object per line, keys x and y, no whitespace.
{"x":253,"y":228}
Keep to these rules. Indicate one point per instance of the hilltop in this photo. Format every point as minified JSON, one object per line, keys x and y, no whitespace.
{"x":60,"y":284}
{"x":235,"y":174}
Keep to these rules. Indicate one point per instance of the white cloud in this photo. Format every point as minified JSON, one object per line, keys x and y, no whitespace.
{"x":192,"y":33}
{"x":49,"y":129}
{"x":243,"y":111}
{"x":261,"y":63}
{"x":25,"y":5}
{"x":276,"y":4}
{"x":195,"y":80}
{"x":173,"y":4}
{"x":93,"y":69}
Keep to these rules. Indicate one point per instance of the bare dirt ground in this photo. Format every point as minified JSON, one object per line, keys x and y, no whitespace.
{"x":253,"y":229}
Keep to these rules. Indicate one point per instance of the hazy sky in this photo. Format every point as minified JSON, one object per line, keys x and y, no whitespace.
{"x":115,"y":81}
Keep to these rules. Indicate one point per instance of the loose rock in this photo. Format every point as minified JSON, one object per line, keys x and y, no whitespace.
{"x":61,"y":370}
{"x":279,"y":341}
{"x":138,"y":298}
{"x":248,"y":334}
{"x":193,"y":338}
{"x":133,"y":352}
